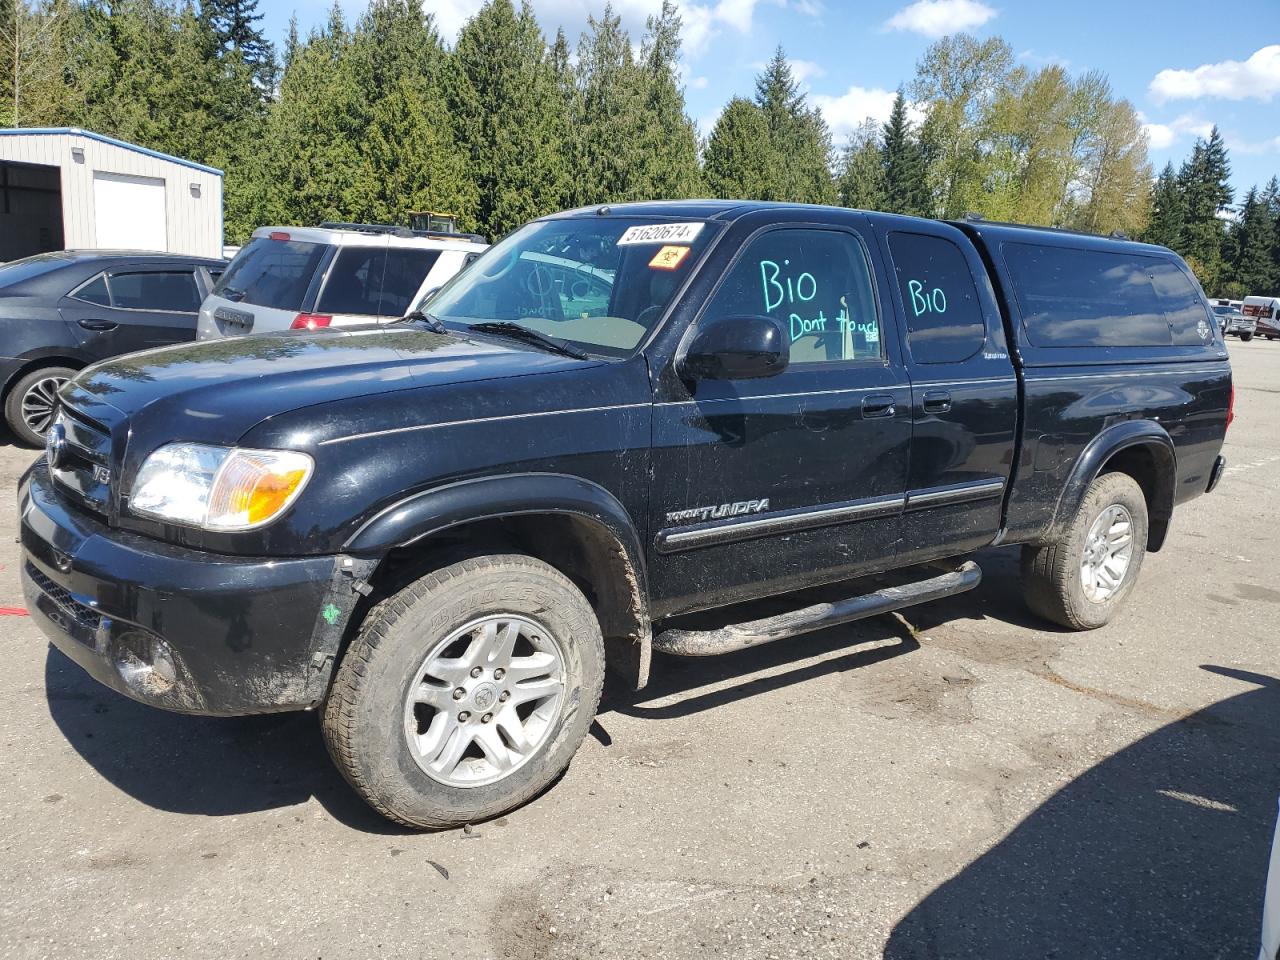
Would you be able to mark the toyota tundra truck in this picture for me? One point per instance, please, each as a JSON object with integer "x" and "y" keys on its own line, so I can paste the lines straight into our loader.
{"x": 439, "y": 533}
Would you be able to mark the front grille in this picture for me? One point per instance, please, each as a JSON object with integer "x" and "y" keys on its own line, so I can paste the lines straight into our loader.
{"x": 84, "y": 467}
{"x": 64, "y": 600}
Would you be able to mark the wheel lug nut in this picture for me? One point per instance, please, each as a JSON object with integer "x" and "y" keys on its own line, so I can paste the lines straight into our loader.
{"x": 476, "y": 671}
{"x": 459, "y": 693}
{"x": 464, "y": 716}
{"x": 486, "y": 718}
{"x": 499, "y": 674}
{"x": 504, "y": 696}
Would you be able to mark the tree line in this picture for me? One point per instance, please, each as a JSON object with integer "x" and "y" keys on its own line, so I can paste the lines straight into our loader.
{"x": 378, "y": 118}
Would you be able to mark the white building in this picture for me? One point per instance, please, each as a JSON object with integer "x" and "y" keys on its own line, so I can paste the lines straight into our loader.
{"x": 72, "y": 189}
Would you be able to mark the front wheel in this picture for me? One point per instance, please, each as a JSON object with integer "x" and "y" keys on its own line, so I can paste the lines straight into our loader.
{"x": 33, "y": 401}
{"x": 1246, "y": 337}
{"x": 1081, "y": 579}
{"x": 467, "y": 693}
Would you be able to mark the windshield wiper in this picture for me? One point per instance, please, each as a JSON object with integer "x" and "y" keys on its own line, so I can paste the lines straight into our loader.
{"x": 505, "y": 328}
{"x": 434, "y": 324}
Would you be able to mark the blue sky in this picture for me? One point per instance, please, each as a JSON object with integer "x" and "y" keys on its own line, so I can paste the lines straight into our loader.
{"x": 1184, "y": 65}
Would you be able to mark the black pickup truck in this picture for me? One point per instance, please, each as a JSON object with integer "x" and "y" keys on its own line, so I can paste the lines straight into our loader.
{"x": 439, "y": 532}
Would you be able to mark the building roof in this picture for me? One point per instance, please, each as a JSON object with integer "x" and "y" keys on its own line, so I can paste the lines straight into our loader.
{"x": 101, "y": 138}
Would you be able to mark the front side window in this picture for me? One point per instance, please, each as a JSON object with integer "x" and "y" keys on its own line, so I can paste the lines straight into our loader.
{"x": 601, "y": 283}
{"x": 944, "y": 315}
{"x": 816, "y": 283}
{"x": 174, "y": 292}
{"x": 271, "y": 273}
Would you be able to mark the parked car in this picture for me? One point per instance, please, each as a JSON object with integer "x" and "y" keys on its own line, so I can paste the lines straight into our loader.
{"x": 337, "y": 274}
{"x": 1233, "y": 322}
{"x": 438, "y": 534}
{"x": 1265, "y": 312}
{"x": 62, "y": 311}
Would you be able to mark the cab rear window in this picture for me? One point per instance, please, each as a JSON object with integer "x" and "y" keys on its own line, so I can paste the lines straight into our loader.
{"x": 271, "y": 273}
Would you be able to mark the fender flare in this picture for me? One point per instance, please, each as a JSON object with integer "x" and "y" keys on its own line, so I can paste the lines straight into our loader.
{"x": 1104, "y": 446}
{"x": 438, "y": 509}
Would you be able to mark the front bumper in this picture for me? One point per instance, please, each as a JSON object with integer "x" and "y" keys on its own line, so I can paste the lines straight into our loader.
{"x": 226, "y": 635}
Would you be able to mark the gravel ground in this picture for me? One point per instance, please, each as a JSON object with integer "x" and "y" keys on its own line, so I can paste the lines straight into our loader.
{"x": 960, "y": 781}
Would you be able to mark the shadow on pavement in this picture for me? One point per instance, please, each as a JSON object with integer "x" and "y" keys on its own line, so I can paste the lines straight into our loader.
{"x": 210, "y": 766}
{"x": 1159, "y": 851}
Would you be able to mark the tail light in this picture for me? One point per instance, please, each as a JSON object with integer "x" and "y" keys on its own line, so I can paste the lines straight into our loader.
{"x": 310, "y": 321}
{"x": 1231, "y": 404}
{"x": 279, "y": 235}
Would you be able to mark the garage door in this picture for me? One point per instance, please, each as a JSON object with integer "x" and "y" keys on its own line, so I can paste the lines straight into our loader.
{"x": 129, "y": 212}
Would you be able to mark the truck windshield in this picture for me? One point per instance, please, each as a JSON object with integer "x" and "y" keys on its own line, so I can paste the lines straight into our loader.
{"x": 600, "y": 283}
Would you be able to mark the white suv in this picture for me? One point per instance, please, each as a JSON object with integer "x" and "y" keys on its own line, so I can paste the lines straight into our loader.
{"x": 336, "y": 274}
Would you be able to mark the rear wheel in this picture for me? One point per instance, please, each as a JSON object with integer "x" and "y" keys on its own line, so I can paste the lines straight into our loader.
{"x": 467, "y": 693}
{"x": 33, "y": 401}
{"x": 1081, "y": 580}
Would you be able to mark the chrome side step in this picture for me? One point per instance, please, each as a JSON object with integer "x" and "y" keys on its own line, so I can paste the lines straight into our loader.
{"x": 739, "y": 636}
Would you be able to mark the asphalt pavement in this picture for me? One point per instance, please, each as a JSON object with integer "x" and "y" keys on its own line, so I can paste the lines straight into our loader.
{"x": 961, "y": 780}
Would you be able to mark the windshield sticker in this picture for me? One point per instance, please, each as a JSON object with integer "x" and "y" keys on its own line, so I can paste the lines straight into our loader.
{"x": 668, "y": 258}
{"x": 661, "y": 233}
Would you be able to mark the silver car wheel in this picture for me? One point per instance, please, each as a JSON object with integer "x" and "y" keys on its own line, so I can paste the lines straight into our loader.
{"x": 1107, "y": 551}
{"x": 40, "y": 402}
{"x": 485, "y": 700}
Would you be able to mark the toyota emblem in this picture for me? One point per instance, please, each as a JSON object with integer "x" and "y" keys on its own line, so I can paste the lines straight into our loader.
{"x": 56, "y": 445}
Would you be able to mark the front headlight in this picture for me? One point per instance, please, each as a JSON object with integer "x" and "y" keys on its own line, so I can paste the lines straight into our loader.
{"x": 218, "y": 488}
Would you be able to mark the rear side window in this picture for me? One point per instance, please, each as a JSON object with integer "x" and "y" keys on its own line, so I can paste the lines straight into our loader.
{"x": 1189, "y": 321}
{"x": 94, "y": 291}
{"x": 944, "y": 315}
{"x": 816, "y": 283}
{"x": 1086, "y": 298}
{"x": 405, "y": 271}
{"x": 175, "y": 292}
{"x": 271, "y": 273}
{"x": 354, "y": 284}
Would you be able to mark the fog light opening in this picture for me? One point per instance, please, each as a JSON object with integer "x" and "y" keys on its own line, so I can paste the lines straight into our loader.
{"x": 145, "y": 663}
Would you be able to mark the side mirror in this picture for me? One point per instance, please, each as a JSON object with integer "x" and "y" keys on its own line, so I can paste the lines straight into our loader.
{"x": 735, "y": 348}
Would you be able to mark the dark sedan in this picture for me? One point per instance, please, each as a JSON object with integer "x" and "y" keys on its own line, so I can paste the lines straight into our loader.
{"x": 63, "y": 311}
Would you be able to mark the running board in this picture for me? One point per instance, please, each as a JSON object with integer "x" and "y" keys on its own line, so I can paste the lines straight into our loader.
{"x": 739, "y": 636}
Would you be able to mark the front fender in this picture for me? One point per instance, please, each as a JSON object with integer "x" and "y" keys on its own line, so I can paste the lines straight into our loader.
{"x": 1093, "y": 459}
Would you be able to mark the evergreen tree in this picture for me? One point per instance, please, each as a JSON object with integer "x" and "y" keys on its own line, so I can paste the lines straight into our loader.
{"x": 1204, "y": 182}
{"x": 235, "y": 27}
{"x": 291, "y": 43}
{"x": 739, "y": 162}
{"x": 670, "y": 143}
{"x": 1167, "y": 210}
{"x": 860, "y": 172}
{"x": 1252, "y": 245}
{"x": 799, "y": 140}
{"x": 905, "y": 185}
{"x": 501, "y": 92}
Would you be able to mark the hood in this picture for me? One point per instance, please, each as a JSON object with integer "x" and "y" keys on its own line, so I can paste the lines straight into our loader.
{"x": 221, "y": 388}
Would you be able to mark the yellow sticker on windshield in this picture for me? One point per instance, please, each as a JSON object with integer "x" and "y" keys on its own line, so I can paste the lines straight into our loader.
{"x": 668, "y": 258}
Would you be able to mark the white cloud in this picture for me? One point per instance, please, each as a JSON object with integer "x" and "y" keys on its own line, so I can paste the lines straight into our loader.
{"x": 850, "y": 110}
{"x": 451, "y": 15}
{"x": 1253, "y": 146}
{"x": 937, "y": 18}
{"x": 1258, "y": 77}
{"x": 805, "y": 70}
{"x": 1161, "y": 136}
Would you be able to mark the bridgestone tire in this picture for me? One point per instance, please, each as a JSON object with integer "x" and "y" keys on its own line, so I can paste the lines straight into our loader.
{"x": 1051, "y": 580}
{"x": 13, "y": 402}
{"x": 363, "y": 714}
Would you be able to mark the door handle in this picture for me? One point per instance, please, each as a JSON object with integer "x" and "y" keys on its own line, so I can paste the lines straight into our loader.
{"x": 936, "y": 401}
{"x": 98, "y": 325}
{"x": 878, "y": 405}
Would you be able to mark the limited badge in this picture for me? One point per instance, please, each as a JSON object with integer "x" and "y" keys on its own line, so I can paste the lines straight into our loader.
{"x": 668, "y": 258}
